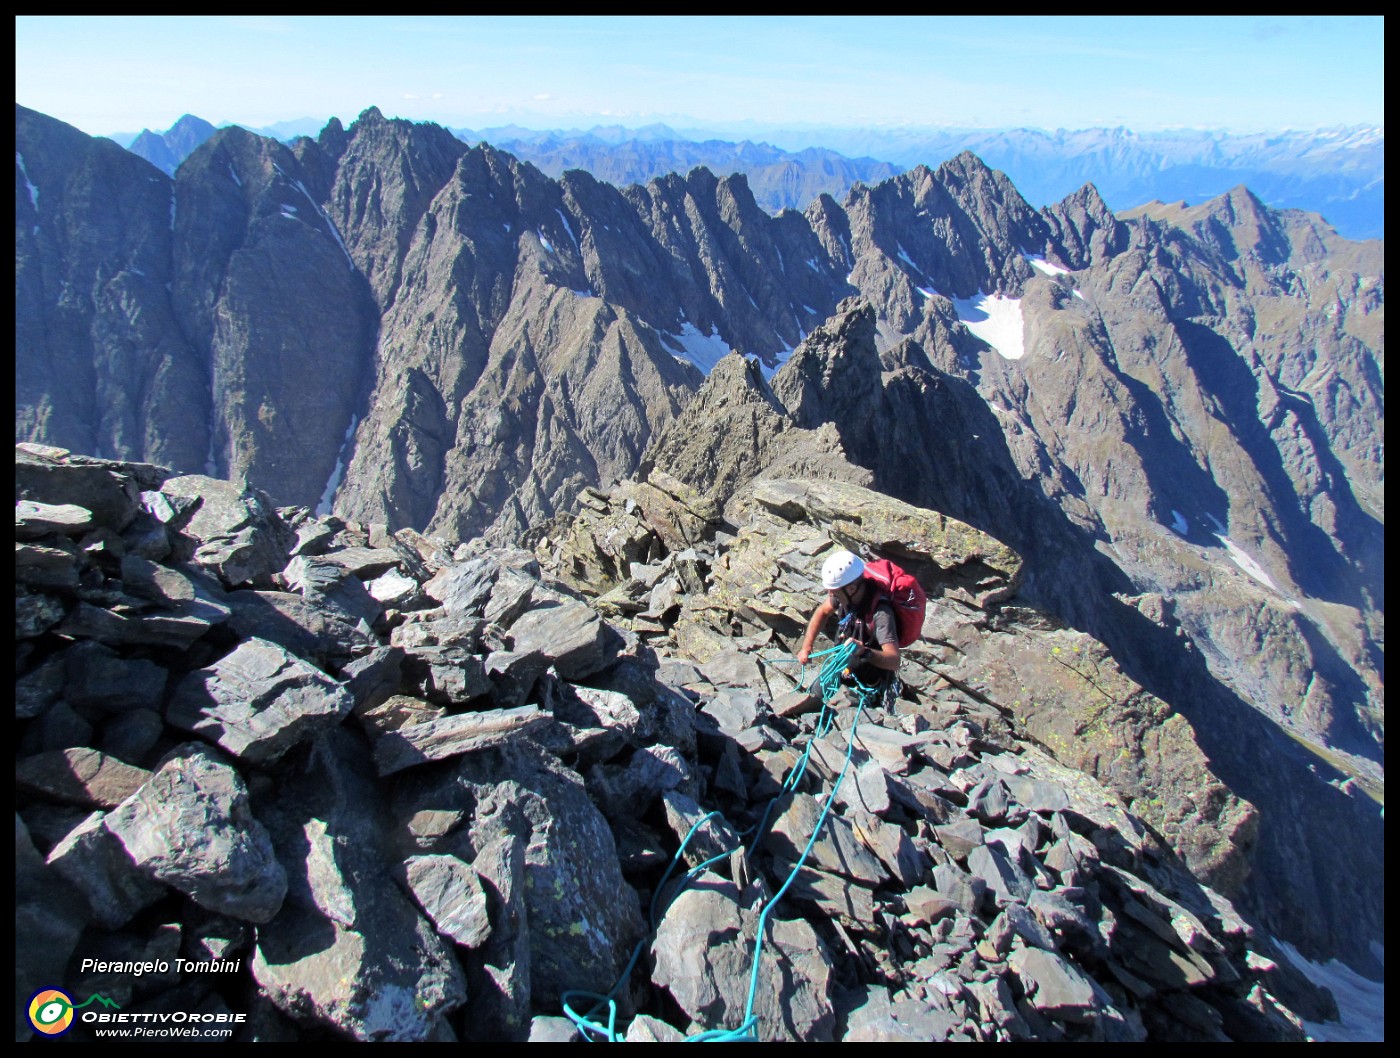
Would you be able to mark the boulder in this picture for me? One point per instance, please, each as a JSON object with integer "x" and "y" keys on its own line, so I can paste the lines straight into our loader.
{"x": 1055, "y": 987}
{"x": 95, "y": 676}
{"x": 309, "y": 631}
{"x": 34, "y": 521}
{"x": 109, "y": 491}
{"x": 234, "y": 531}
{"x": 49, "y": 919}
{"x": 450, "y": 894}
{"x": 328, "y": 583}
{"x": 836, "y": 850}
{"x": 348, "y": 951}
{"x": 451, "y": 736}
{"x": 79, "y": 776}
{"x": 258, "y": 702}
{"x": 191, "y": 827}
{"x": 704, "y": 951}
{"x": 707, "y": 838}
{"x": 583, "y": 917}
{"x": 94, "y": 861}
{"x": 880, "y": 1019}
{"x": 570, "y": 635}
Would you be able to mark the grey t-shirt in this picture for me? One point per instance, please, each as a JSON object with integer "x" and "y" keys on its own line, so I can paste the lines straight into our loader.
{"x": 886, "y": 628}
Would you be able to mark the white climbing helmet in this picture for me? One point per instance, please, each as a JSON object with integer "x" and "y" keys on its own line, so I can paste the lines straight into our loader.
{"x": 841, "y": 568}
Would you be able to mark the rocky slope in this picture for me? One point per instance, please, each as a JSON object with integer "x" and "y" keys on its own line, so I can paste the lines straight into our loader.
{"x": 1175, "y": 416}
{"x": 972, "y": 479}
{"x": 395, "y": 789}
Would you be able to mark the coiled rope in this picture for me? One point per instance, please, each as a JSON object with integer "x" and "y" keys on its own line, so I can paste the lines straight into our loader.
{"x": 828, "y": 682}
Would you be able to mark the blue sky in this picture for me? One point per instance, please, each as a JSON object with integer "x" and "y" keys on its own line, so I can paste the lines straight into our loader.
{"x": 112, "y": 74}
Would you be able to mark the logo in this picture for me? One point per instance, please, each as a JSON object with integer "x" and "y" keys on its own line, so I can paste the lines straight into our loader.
{"x": 51, "y": 1012}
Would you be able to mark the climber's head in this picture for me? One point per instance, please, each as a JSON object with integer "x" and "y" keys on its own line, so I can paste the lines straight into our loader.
{"x": 841, "y": 573}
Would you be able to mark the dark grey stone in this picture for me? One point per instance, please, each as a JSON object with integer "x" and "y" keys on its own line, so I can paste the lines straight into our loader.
{"x": 95, "y": 862}
{"x": 192, "y": 828}
{"x": 703, "y": 953}
{"x": 513, "y": 675}
{"x": 1005, "y": 879}
{"x": 450, "y": 894}
{"x": 96, "y": 676}
{"x": 258, "y": 702}
{"x": 572, "y": 636}
{"x": 452, "y": 736}
{"x": 1054, "y": 987}
{"x": 79, "y": 776}
{"x": 960, "y": 837}
{"x": 33, "y": 521}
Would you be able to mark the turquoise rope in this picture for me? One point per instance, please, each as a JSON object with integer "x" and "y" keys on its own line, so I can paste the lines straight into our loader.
{"x": 585, "y": 1022}
{"x": 827, "y": 682}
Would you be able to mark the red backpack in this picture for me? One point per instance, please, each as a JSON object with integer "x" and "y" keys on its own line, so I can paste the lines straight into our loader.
{"x": 904, "y": 594}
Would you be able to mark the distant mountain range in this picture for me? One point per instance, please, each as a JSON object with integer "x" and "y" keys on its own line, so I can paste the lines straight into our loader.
{"x": 1339, "y": 173}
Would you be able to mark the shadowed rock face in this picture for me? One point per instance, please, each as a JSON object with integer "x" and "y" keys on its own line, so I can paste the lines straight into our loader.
{"x": 435, "y": 824}
{"x": 1187, "y": 451}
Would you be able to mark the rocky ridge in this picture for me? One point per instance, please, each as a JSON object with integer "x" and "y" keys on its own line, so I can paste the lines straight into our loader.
{"x": 389, "y": 324}
{"x": 840, "y": 376}
{"x": 416, "y": 791}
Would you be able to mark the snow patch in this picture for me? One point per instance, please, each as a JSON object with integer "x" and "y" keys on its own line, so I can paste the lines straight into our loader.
{"x": 1077, "y": 294}
{"x": 1292, "y": 394}
{"x": 1241, "y": 559}
{"x": 1040, "y": 264}
{"x": 33, "y": 191}
{"x": 927, "y": 292}
{"x": 1179, "y": 523}
{"x": 905, "y": 258}
{"x": 333, "y": 483}
{"x": 702, "y": 350}
{"x": 1360, "y": 1001}
{"x": 997, "y": 321}
{"x": 572, "y": 237}
{"x": 234, "y": 176}
{"x": 544, "y": 242}
{"x": 783, "y": 356}
{"x": 335, "y": 232}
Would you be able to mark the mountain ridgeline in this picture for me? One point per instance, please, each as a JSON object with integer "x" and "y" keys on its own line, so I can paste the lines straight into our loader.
{"x": 1338, "y": 172}
{"x": 1176, "y": 415}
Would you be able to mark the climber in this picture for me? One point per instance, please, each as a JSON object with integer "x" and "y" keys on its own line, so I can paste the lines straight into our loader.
{"x": 864, "y": 614}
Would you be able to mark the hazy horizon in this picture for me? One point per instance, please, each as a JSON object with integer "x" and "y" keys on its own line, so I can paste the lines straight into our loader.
{"x": 739, "y": 77}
